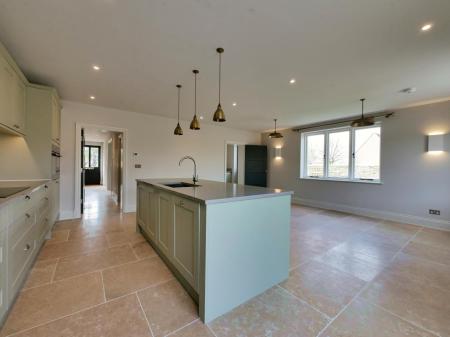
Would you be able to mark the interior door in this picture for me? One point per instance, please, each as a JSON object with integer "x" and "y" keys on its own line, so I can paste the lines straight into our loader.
{"x": 256, "y": 165}
{"x": 92, "y": 164}
{"x": 83, "y": 142}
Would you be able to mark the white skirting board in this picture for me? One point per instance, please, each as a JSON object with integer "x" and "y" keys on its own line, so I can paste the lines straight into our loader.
{"x": 384, "y": 215}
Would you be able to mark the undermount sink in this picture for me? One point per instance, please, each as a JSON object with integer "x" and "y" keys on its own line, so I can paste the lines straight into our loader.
{"x": 180, "y": 184}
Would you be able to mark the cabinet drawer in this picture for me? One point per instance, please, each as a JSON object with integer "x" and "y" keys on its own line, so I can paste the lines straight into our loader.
{"x": 42, "y": 208}
{"x": 42, "y": 226}
{"x": 22, "y": 225}
{"x": 22, "y": 205}
{"x": 19, "y": 257}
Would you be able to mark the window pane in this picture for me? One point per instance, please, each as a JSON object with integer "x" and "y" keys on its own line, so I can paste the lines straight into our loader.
{"x": 86, "y": 157}
{"x": 315, "y": 155}
{"x": 338, "y": 154}
{"x": 94, "y": 156}
{"x": 367, "y": 153}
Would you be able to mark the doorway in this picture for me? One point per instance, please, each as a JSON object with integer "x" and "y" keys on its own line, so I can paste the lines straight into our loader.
{"x": 101, "y": 178}
{"x": 92, "y": 164}
{"x": 235, "y": 163}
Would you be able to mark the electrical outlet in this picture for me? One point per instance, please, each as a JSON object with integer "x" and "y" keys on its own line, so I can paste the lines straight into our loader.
{"x": 137, "y": 165}
{"x": 434, "y": 211}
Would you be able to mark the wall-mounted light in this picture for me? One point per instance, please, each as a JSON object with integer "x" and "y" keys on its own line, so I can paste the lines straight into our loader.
{"x": 436, "y": 143}
{"x": 277, "y": 153}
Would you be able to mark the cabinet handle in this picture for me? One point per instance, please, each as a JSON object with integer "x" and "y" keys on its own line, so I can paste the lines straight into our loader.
{"x": 16, "y": 126}
{"x": 27, "y": 197}
{"x": 27, "y": 247}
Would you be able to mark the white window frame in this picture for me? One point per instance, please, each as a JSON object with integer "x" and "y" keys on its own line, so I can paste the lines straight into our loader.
{"x": 351, "y": 167}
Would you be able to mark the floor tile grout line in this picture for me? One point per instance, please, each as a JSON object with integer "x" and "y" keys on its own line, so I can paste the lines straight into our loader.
{"x": 304, "y": 302}
{"x": 103, "y": 269}
{"x": 211, "y": 330}
{"x": 403, "y": 319}
{"x": 367, "y": 285}
{"x": 52, "y": 279}
{"x": 103, "y": 286}
{"x": 181, "y": 328}
{"x": 68, "y": 315}
{"x": 145, "y": 315}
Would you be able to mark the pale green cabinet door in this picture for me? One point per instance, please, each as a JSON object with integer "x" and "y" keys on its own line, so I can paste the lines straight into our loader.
{"x": 165, "y": 223}
{"x": 6, "y": 93}
{"x": 186, "y": 231}
{"x": 142, "y": 206}
{"x": 152, "y": 214}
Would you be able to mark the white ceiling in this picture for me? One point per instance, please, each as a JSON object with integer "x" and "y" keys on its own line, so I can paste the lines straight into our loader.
{"x": 338, "y": 50}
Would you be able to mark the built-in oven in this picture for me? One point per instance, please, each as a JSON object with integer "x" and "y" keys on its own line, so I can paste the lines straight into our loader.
{"x": 56, "y": 158}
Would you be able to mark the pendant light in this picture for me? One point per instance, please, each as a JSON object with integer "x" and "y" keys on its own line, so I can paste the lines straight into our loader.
{"x": 195, "y": 125}
{"x": 363, "y": 121}
{"x": 219, "y": 115}
{"x": 178, "y": 130}
{"x": 275, "y": 134}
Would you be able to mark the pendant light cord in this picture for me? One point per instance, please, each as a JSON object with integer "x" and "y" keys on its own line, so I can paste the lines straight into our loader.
{"x": 179, "y": 87}
{"x": 362, "y": 107}
{"x": 195, "y": 93}
{"x": 275, "y": 125}
{"x": 220, "y": 72}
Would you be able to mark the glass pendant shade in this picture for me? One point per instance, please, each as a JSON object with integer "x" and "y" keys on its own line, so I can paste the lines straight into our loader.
{"x": 178, "y": 130}
{"x": 195, "y": 124}
{"x": 219, "y": 115}
{"x": 275, "y": 134}
{"x": 363, "y": 121}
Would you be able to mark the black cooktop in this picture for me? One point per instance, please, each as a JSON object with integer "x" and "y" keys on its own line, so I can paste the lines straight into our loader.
{"x": 5, "y": 192}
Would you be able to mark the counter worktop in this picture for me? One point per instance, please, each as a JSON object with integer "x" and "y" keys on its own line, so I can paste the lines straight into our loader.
{"x": 30, "y": 184}
{"x": 209, "y": 192}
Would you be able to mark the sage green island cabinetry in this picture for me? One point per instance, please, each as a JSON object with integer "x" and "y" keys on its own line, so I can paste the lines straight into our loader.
{"x": 226, "y": 243}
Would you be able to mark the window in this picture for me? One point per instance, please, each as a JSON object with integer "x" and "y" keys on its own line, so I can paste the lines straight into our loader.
{"x": 91, "y": 156}
{"x": 346, "y": 153}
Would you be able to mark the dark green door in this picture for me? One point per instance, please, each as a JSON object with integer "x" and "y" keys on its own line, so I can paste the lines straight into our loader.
{"x": 256, "y": 165}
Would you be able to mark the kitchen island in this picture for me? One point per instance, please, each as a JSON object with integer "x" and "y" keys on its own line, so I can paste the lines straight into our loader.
{"x": 225, "y": 243}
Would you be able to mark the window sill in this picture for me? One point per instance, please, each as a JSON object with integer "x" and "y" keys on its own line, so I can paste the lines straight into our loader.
{"x": 373, "y": 182}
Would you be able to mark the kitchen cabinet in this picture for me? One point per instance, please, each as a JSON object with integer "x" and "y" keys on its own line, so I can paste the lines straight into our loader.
{"x": 26, "y": 221}
{"x": 173, "y": 225}
{"x": 224, "y": 242}
{"x": 165, "y": 223}
{"x": 12, "y": 99}
{"x": 56, "y": 120}
{"x": 186, "y": 225}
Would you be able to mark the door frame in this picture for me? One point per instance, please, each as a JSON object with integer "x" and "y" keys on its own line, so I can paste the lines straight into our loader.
{"x": 229, "y": 142}
{"x": 78, "y": 127}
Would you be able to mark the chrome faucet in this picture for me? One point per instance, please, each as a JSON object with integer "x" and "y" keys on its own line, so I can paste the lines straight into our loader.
{"x": 195, "y": 177}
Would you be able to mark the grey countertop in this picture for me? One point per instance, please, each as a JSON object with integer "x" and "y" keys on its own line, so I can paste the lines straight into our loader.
{"x": 30, "y": 184}
{"x": 209, "y": 192}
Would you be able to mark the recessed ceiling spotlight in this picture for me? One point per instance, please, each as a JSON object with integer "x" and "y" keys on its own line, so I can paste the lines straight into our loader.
{"x": 201, "y": 117}
{"x": 234, "y": 103}
{"x": 292, "y": 81}
{"x": 96, "y": 67}
{"x": 92, "y": 97}
{"x": 408, "y": 90}
{"x": 426, "y": 27}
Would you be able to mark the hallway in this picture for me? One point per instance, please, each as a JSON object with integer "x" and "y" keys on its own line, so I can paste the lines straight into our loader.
{"x": 97, "y": 199}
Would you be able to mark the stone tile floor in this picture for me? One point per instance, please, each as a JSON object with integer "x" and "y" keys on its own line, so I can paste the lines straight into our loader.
{"x": 350, "y": 277}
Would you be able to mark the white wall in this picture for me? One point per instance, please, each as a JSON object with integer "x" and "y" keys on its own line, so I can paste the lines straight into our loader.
{"x": 413, "y": 181}
{"x": 152, "y": 138}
